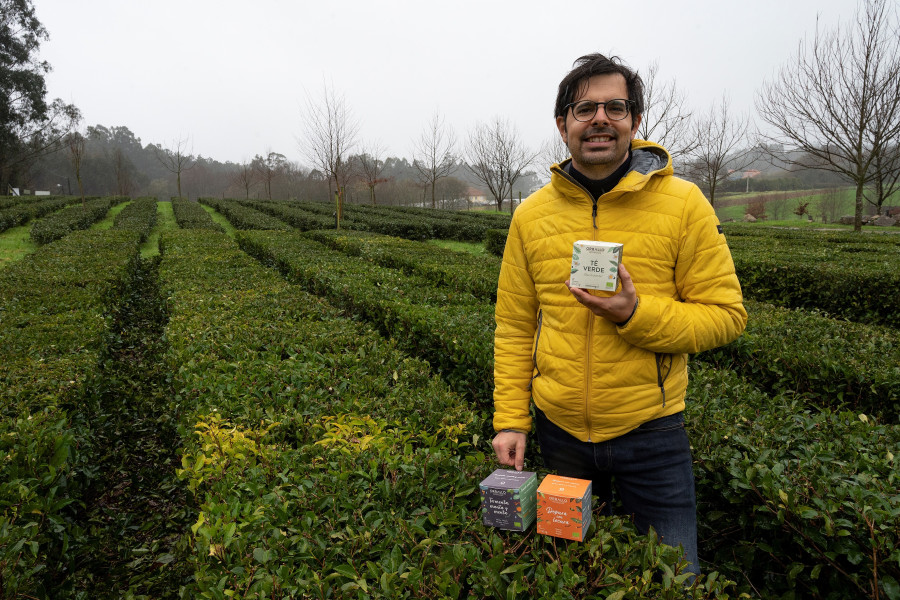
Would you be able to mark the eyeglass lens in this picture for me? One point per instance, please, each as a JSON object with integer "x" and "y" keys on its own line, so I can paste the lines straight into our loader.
{"x": 585, "y": 110}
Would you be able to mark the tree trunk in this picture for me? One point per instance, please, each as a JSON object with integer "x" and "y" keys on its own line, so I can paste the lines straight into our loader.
{"x": 857, "y": 218}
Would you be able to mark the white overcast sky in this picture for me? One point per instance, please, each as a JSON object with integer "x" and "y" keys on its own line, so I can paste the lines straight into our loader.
{"x": 233, "y": 76}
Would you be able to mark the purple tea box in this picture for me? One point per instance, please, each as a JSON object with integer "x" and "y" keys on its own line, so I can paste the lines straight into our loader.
{"x": 509, "y": 499}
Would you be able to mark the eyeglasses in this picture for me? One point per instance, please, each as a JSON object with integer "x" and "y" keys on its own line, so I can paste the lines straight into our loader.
{"x": 585, "y": 110}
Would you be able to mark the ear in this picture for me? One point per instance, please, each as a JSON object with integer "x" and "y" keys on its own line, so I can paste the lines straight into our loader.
{"x": 636, "y": 122}
{"x": 561, "y": 125}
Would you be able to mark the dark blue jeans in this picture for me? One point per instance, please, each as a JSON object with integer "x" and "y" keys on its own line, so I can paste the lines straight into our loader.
{"x": 649, "y": 467}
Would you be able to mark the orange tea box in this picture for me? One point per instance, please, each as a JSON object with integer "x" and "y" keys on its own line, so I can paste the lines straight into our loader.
{"x": 564, "y": 507}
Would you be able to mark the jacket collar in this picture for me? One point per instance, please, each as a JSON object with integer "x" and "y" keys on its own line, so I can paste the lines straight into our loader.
{"x": 648, "y": 160}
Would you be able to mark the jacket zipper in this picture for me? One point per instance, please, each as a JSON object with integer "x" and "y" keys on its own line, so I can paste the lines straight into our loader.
{"x": 537, "y": 371}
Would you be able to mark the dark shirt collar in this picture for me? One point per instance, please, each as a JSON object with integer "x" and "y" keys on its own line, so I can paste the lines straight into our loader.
{"x": 598, "y": 187}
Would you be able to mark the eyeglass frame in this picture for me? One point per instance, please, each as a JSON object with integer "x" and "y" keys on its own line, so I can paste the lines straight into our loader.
{"x": 628, "y": 105}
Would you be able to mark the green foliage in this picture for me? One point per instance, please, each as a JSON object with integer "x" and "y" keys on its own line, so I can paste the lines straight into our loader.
{"x": 53, "y": 305}
{"x": 495, "y": 241}
{"x": 831, "y": 364}
{"x": 139, "y": 215}
{"x": 797, "y": 501}
{"x": 73, "y": 218}
{"x": 242, "y": 217}
{"x": 13, "y": 214}
{"x": 191, "y": 215}
{"x": 851, "y": 276}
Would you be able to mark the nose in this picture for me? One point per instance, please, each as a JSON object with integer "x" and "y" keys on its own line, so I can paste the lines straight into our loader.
{"x": 600, "y": 117}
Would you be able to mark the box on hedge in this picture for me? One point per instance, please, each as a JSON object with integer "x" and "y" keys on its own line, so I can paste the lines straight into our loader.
{"x": 564, "y": 507}
{"x": 508, "y": 499}
{"x": 595, "y": 265}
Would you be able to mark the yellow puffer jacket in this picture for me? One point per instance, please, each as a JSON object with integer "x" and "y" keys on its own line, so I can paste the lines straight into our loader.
{"x": 592, "y": 378}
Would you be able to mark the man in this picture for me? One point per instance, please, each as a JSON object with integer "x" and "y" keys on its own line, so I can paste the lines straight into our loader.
{"x": 608, "y": 372}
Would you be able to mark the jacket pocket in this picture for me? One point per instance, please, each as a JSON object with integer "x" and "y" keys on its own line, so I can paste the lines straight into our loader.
{"x": 537, "y": 338}
{"x": 663, "y": 368}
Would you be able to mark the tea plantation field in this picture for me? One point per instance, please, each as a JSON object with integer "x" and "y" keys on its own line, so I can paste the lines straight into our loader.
{"x": 232, "y": 399}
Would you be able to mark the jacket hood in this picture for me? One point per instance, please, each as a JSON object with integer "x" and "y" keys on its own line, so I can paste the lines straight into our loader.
{"x": 647, "y": 160}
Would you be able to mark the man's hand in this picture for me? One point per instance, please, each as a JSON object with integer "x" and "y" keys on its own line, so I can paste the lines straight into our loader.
{"x": 509, "y": 446}
{"x": 617, "y": 308}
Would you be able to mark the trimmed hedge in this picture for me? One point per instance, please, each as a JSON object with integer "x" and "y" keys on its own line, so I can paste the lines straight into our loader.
{"x": 192, "y": 215}
{"x": 243, "y": 217}
{"x": 53, "y": 305}
{"x": 140, "y": 216}
{"x": 21, "y": 210}
{"x": 459, "y": 271}
{"x": 851, "y": 276}
{"x": 73, "y": 218}
{"x": 794, "y": 501}
{"x": 495, "y": 241}
{"x": 452, "y": 330}
{"x": 831, "y": 364}
{"x": 328, "y": 464}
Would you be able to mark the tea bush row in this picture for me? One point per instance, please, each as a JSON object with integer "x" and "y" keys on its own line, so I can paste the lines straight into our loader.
{"x": 328, "y": 464}
{"x": 53, "y": 323}
{"x": 460, "y": 271}
{"x": 24, "y": 210}
{"x": 830, "y": 363}
{"x": 779, "y": 424}
{"x": 799, "y": 501}
{"x": 852, "y": 276}
{"x": 452, "y": 330}
{"x": 192, "y": 215}
{"x": 140, "y": 216}
{"x": 73, "y": 218}
{"x": 243, "y": 217}
{"x": 291, "y": 214}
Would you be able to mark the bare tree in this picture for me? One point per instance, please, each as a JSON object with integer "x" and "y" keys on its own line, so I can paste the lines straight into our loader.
{"x": 553, "y": 151}
{"x": 245, "y": 177}
{"x": 122, "y": 168}
{"x": 496, "y": 156}
{"x": 666, "y": 121}
{"x": 433, "y": 153}
{"x": 718, "y": 136}
{"x": 329, "y": 136}
{"x": 371, "y": 163}
{"x": 75, "y": 142}
{"x": 886, "y": 178}
{"x": 269, "y": 168}
{"x": 839, "y": 101}
{"x": 176, "y": 159}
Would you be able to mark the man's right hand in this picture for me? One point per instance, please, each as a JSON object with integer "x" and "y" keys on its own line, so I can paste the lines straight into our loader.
{"x": 509, "y": 446}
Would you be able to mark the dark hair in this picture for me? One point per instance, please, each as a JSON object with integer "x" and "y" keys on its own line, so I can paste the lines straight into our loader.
{"x": 575, "y": 82}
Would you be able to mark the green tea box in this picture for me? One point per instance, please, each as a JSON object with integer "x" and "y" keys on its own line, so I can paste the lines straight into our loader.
{"x": 508, "y": 499}
{"x": 595, "y": 265}
{"x": 564, "y": 507}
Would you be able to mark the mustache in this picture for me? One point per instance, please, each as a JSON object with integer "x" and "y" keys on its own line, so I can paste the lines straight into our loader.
{"x": 600, "y": 131}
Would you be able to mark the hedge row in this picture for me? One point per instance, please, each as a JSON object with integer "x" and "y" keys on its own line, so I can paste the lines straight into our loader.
{"x": 140, "y": 216}
{"x": 243, "y": 217}
{"x": 25, "y": 210}
{"x": 794, "y": 501}
{"x": 460, "y": 271}
{"x": 53, "y": 305}
{"x": 409, "y": 223}
{"x": 495, "y": 241}
{"x": 292, "y": 215}
{"x": 403, "y": 307}
{"x": 814, "y": 552}
{"x": 73, "y": 218}
{"x": 191, "y": 215}
{"x": 831, "y": 364}
{"x": 852, "y": 276}
{"x": 330, "y": 465}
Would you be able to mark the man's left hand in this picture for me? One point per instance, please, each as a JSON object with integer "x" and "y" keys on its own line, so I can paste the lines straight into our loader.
{"x": 617, "y": 308}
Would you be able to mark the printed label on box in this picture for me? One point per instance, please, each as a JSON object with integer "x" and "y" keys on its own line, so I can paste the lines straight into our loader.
{"x": 508, "y": 499}
{"x": 564, "y": 507}
{"x": 595, "y": 265}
